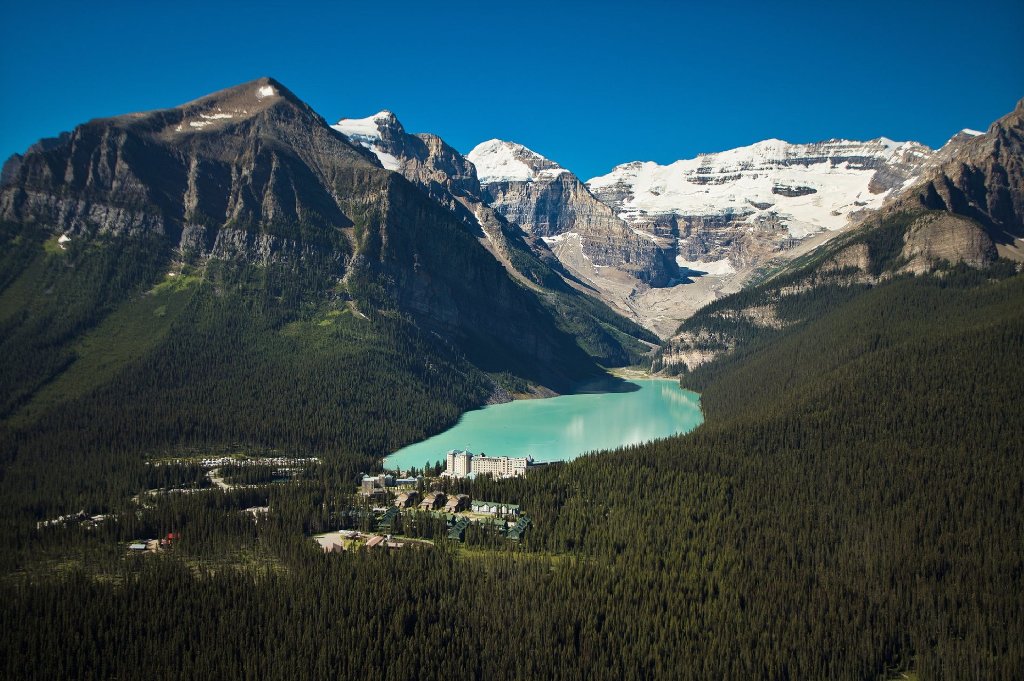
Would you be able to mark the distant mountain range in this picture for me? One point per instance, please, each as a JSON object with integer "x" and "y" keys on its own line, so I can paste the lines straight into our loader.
{"x": 252, "y": 174}
{"x": 657, "y": 242}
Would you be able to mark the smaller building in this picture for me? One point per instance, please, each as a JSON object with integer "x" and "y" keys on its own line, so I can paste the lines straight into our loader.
{"x": 376, "y": 484}
{"x": 458, "y": 529}
{"x": 138, "y": 546}
{"x": 515, "y": 533}
{"x": 495, "y": 508}
{"x": 407, "y": 499}
{"x": 459, "y": 502}
{"x": 375, "y": 540}
{"x": 433, "y": 501}
{"x": 387, "y": 520}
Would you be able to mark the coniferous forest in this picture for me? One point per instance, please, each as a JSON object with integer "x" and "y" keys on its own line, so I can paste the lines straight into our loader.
{"x": 850, "y": 509}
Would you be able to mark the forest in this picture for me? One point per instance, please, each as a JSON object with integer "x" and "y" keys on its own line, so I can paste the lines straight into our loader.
{"x": 850, "y": 509}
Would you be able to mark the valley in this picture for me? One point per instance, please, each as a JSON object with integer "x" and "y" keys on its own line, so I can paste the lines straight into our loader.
{"x": 249, "y": 336}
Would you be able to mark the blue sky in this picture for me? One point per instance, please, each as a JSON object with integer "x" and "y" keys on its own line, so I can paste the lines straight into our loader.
{"x": 588, "y": 84}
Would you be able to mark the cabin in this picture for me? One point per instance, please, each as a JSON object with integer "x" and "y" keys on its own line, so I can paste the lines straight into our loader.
{"x": 407, "y": 499}
{"x": 459, "y": 502}
{"x": 375, "y": 540}
{"x": 458, "y": 529}
{"x": 515, "y": 533}
{"x": 433, "y": 501}
{"x": 387, "y": 520}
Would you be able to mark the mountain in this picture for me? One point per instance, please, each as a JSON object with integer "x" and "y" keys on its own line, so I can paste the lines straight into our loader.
{"x": 235, "y": 270}
{"x": 980, "y": 176}
{"x": 451, "y": 180}
{"x": 798, "y": 189}
{"x": 660, "y": 241}
{"x": 589, "y": 240}
{"x": 964, "y": 208}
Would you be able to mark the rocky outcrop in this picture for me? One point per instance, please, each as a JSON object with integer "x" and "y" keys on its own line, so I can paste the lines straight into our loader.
{"x": 937, "y": 238}
{"x": 980, "y": 176}
{"x": 550, "y": 202}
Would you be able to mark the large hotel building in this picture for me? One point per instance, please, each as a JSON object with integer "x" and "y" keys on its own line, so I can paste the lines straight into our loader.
{"x": 460, "y": 463}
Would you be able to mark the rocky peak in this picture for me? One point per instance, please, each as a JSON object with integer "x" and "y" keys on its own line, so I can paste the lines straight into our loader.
{"x": 263, "y": 102}
{"x": 500, "y": 161}
{"x": 381, "y": 133}
{"x": 980, "y": 176}
{"x": 548, "y": 201}
{"x": 251, "y": 158}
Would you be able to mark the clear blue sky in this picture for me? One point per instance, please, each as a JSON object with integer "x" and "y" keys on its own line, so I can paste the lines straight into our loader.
{"x": 588, "y": 84}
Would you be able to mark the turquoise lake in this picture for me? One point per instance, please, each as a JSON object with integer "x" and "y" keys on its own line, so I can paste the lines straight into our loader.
{"x": 562, "y": 428}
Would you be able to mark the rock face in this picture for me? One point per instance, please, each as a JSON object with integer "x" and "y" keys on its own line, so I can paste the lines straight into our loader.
{"x": 710, "y": 221}
{"x": 252, "y": 175}
{"x": 749, "y": 204}
{"x": 550, "y": 202}
{"x": 451, "y": 180}
{"x": 980, "y": 176}
{"x": 424, "y": 159}
{"x": 252, "y": 157}
{"x": 936, "y": 238}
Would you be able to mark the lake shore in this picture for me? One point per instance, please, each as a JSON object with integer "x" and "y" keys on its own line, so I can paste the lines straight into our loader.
{"x": 561, "y": 428}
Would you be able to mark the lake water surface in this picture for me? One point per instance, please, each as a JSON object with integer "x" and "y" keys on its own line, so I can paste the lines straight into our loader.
{"x": 562, "y": 428}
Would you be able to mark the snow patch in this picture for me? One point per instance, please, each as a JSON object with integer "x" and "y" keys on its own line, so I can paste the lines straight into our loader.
{"x": 496, "y": 161}
{"x": 718, "y": 268}
{"x": 216, "y": 116}
{"x": 265, "y": 91}
{"x": 199, "y": 124}
{"x": 972, "y": 133}
{"x": 362, "y": 129}
{"x": 366, "y": 132}
{"x": 558, "y": 238}
{"x": 386, "y": 159}
{"x": 500, "y": 161}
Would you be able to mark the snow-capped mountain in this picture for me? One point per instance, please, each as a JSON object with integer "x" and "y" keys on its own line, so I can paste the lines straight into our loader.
{"x": 500, "y": 161}
{"x": 804, "y": 188}
{"x": 448, "y": 178}
{"x": 711, "y": 220}
{"x": 548, "y": 201}
{"x": 659, "y": 241}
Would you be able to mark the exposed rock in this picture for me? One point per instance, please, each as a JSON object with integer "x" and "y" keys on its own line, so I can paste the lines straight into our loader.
{"x": 251, "y": 175}
{"x": 934, "y": 238}
{"x": 980, "y": 176}
{"x": 548, "y": 201}
{"x": 855, "y": 257}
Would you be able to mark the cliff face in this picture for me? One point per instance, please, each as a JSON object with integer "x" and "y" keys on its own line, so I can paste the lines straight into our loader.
{"x": 980, "y": 176}
{"x": 251, "y": 158}
{"x": 644, "y": 234}
{"x": 587, "y": 238}
{"x": 451, "y": 180}
{"x": 252, "y": 175}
